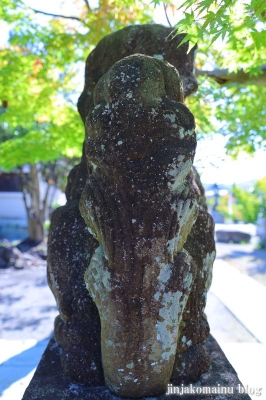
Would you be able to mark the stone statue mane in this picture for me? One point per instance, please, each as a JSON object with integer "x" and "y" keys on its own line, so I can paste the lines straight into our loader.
{"x": 146, "y": 247}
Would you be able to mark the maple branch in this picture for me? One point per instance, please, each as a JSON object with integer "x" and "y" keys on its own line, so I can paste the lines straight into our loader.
{"x": 166, "y": 15}
{"x": 224, "y": 77}
{"x": 57, "y": 15}
{"x": 87, "y": 5}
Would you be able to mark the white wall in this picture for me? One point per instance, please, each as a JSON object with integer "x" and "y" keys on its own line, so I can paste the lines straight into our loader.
{"x": 12, "y": 206}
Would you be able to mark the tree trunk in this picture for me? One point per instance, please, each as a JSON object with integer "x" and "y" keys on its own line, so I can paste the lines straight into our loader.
{"x": 36, "y": 206}
{"x": 36, "y": 230}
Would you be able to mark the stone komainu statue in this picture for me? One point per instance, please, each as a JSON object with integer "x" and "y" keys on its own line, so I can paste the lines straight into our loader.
{"x": 135, "y": 224}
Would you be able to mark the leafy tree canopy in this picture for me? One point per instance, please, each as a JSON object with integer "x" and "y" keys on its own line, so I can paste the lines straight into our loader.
{"x": 40, "y": 64}
{"x": 240, "y": 25}
{"x": 260, "y": 191}
{"x": 231, "y": 36}
{"x": 248, "y": 205}
{"x": 38, "y": 74}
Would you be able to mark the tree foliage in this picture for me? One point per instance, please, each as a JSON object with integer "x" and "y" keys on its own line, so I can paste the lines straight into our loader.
{"x": 230, "y": 66}
{"x": 38, "y": 74}
{"x": 248, "y": 205}
{"x": 39, "y": 70}
{"x": 46, "y": 50}
{"x": 39, "y": 123}
{"x": 260, "y": 191}
{"x": 239, "y": 25}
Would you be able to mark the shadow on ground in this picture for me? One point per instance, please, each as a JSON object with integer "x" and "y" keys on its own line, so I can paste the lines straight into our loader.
{"x": 246, "y": 258}
{"x": 20, "y": 365}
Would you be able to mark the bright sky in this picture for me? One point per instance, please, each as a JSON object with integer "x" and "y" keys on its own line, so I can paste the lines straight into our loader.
{"x": 214, "y": 165}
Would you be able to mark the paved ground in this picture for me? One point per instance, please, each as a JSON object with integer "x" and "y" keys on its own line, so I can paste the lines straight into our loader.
{"x": 27, "y": 311}
{"x": 248, "y": 258}
{"x": 224, "y": 325}
{"x": 27, "y": 306}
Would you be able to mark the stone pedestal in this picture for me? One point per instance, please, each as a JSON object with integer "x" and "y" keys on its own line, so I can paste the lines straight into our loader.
{"x": 51, "y": 383}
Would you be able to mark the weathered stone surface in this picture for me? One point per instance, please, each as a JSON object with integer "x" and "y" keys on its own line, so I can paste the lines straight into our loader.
{"x": 50, "y": 381}
{"x": 141, "y": 143}
{"x": 78, "y": 327}
{"x": 152, "y": 40}
{"x": 147, "y": 246}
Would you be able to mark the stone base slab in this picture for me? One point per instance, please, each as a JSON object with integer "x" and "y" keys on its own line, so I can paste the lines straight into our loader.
{"x": 50, "y": 382}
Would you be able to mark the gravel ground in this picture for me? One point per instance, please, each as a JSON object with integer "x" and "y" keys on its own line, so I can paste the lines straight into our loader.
{"x": 27, "y": 306}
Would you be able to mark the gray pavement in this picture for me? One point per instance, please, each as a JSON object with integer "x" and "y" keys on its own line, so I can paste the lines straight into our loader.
{"x": 247, "y": 258}
{"x": 27, "y": 306}
{"x": 243, "y": 296}
{"x": 27, "y": 312}
{"x": 224, "y": 326}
